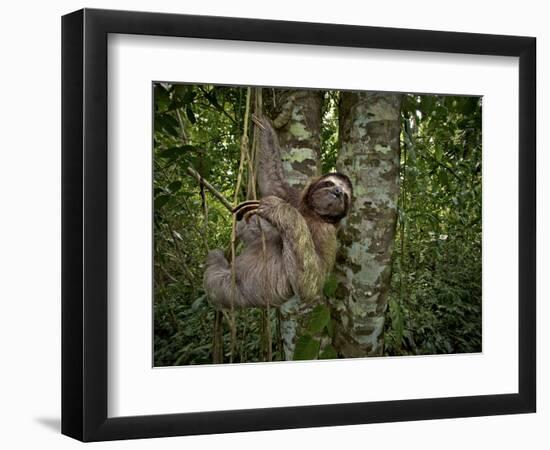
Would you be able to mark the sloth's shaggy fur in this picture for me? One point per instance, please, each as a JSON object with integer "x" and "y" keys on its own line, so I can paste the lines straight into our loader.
{"x": 300, "y": 236}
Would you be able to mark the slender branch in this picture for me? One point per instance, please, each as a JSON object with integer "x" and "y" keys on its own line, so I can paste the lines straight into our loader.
{"x": 205, "y": 216}
{"x": 196, "y": 175}
{"x": 211, "y": 188}
{"x": 441, "y": 164}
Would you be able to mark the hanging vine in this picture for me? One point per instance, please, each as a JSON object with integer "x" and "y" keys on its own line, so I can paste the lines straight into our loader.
{"x": 266, "y": 315}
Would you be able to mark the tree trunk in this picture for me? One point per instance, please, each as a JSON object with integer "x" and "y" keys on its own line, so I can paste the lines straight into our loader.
{"x": 297, "y": 118}
{"x": 369, "y": 155}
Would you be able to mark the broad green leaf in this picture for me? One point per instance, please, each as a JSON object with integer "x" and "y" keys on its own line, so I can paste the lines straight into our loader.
{"x": 306, "y": 348}
{"x": 189, "y": 96}
{"x": 320, "y": 317}
{"x": 438, "y": 151}
{"x": 174, "y": 186}
{"x": 166, "y": 123}
{"x": 201, "y": 165}
{"x": 180, "y": 90}
{"x": 161, "y": 200}
{"x": 329, "y": 289}
{"x": 328, "y": 353}
{"x": 162, "y": 98}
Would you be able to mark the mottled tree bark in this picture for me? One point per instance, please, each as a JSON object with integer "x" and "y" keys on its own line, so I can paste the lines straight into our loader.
{"x": 298, "y": 124}
{"x": 297, "y": 119}
{"x": 369, "y": 155}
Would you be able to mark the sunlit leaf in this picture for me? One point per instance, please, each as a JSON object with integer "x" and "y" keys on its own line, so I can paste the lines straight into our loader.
{"x": 328, "y": 353}
{"x": 306, "y": 348}
{"x": 319, "y": 319}
{"x": 330, "y": 286}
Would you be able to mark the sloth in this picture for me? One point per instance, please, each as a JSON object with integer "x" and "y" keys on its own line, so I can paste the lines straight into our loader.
{"x": 289, "y": 236}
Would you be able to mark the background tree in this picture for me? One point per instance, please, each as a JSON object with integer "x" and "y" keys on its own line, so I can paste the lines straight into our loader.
{"x": 369, "y": 155}
{"x": 297, "y": 119}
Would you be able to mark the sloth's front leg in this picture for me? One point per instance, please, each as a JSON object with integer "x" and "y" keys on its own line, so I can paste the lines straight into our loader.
{"x": 302, "y": 263}
{"x": 270, "y": 208}
{"x": 281, "y": 214}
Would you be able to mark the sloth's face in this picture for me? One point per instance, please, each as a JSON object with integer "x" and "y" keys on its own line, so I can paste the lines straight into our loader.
{"x": 330, "y": 197}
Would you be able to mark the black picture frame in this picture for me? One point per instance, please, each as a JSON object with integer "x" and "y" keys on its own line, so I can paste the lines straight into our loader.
{"x": 84, "y": 224}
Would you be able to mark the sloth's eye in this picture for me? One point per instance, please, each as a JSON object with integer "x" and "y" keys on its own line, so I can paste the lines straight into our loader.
{"x": 327, "y": 184}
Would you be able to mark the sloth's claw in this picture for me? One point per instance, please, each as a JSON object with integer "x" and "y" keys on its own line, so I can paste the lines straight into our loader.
{"x": 244, "y": 208}
{"x": 249, "y": 214}
{"x": 244, "y": 204}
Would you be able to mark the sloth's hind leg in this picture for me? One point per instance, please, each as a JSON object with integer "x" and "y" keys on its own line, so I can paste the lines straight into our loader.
{"x": 216, "y": 277}
{"x": 218, "y": 281}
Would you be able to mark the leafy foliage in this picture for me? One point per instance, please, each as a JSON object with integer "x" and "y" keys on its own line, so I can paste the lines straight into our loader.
{"x": 307, "y": 347}
{"x": 199, "y": 127}
{"x": 435, "y": 299}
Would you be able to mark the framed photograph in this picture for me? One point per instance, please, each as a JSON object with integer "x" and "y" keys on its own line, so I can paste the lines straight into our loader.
{"x": 273, "y": 225}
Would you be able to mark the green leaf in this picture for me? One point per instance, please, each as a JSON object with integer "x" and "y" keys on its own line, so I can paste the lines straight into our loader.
{"x": 184, "y": 94}
{"x": 170, "y": 153}
{"x": 329, "y": 289}
{"x": 438, "y": 153}
{"x": 306, "y": 348}
{"x": 166, "y": 123}
{"x": 162, "y": 98}
{"x": 174, "y": 186}
{"x": 443, "y": 177}
{"x": 189, "y": 96}
{"x": 211, "y": 96}
{"x": 320, "y": 318}
{"x": 180, "y": 90}
{"x": 328, "y": 353}
{"x": 175, "y": 152}
{"x": 161, "y": 200}
{"x": 190, "y": 115}
{"x": 201, "y": 165}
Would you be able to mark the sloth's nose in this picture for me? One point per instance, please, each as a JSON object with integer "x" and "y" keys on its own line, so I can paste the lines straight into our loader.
{"x": 337, "y": 190}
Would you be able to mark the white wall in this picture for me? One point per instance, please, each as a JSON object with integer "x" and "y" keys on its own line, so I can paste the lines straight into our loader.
{"x": 30, "y": 221}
